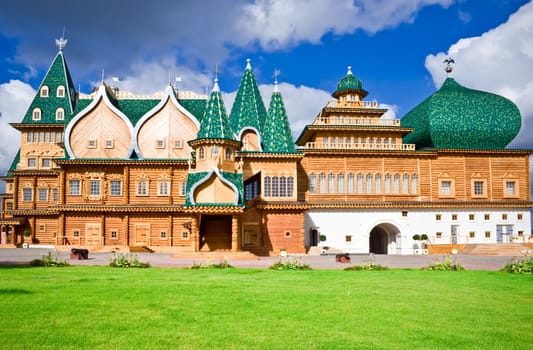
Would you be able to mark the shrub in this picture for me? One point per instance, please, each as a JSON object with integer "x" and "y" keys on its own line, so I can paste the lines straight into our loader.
{"x": 48, "y": 261}
{"x": 367, "y": 266}
{"x": 127, "y": 260}
{"x": 289, "y": 265}
{"x": 446, "y": 265}
{"x": 521, "y": 266}
{"x": 423, "y": 237}
{"x": 223, "y": 264}
{"x": 416, "y": 237}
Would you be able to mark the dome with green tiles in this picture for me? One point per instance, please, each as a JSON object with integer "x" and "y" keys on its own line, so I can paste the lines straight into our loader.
{"x": 456, "y": 117}
{"x": 349, "y": 84}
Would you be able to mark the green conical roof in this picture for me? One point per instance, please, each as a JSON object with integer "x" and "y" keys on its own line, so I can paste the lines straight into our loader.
{"x": 456, "y": 117}
{"x": 248, "y": 109}
{"x": 215, "y": 123}
{"x": 349, "y": 84}
{"x": 277, "y": 136}
{"x": 57, "y": 75}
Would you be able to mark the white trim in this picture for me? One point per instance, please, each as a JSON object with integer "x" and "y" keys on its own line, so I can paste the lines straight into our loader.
{"x": 206, "y": 178}
{"x": 102, "y": 95}
{"x": 246, "y": 128}
{"x": 169, "y": 94}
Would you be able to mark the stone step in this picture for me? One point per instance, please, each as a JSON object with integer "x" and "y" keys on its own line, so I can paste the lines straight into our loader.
{"x": 507, "y": 249}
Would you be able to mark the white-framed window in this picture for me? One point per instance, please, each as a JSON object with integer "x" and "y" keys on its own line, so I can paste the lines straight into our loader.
{"x": 178, "y": 143}
{"x": 479, "y": 188}
{"x": 32, "y": 162}
{"x": 405, "y": 183}
{"x": 283, "y": 186}
{"x": 45, "y": 91}
{"x": 163, "y": 234}
{"x": 60, "y": 114}
{"x": 312, "y": 183}
{"x": 360, "y": 183}
{"x": 331, "y": 183}
{"x": 377, "y": 183}
{"x": 214, "y": 151}
{"x": 267, "y": 185}
{"x": 201, "y": 153}
{"x": 350, "y": 183}
{"x": 290, "y": 186}
{"x": 91, "y": 143}
{"x": 368, "y": 183}
{"x": 163, "y": 188}
{"x": 414, "y": 184}
{"x": 321, "y": 183}
{"x": 229, "y": 154}
{"x": 60, "y": 91}
{"x": 446, "y": 188}
{"x": 116, "y": 188}
{"x": 46, "y": 162}
{"x": 340, "y": 183}
{"x": 109, "y": 143}
{"x": 74, "y": 187}
{"x": 42, "y": 227}
{"x": 510, "y": 188}
{"x": 36, "y": 114}
{"x": 55, "y": 194}
{"x": 114, "y": 234}
{"x": 387, "y": 183}
{"x": 275, "y": 186}
{"x": 43, "y": 195}
{"x": 76, "y": 233}
{"x": 185, "y": 235}
{"x": 183, "y": 191}
{"x": 94, "y": 187}
{"x": 142, "y": 187}
{"x": 27, "y": 194}
{"x": 396, "y": 183}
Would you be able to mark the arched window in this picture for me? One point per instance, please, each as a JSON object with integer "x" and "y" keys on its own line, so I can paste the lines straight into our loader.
{"x": 414, "y": 184}
{"x": 60, "y": 91}
{"x": 267, "y": 186}
{"x": 60, "y": 114}
{"x": 214, "y": 151}
{"x": 312, "y": 183}
{"x": 405, "y": 183}
{"x": 331, "y": 183}
{"x": 229, "y": 153}
{"x": 350, "y": 183}
{"x": 275, "y": 186}
{"x": 290, "y": 186}
{"x": 360, "y": 184}
{"x": 377, "y": 183}
{"x": 396, "y": 183}
{"x": 44, "y": 91}
{"x": 283, "y": 186}
{"x": 201, "y": 153}
{"x": 321, "y": 183}
{"x": 368, "y": 183}
{"x": 340, "y": 183}
{"x": 36, "y": 114}
{"x": 387, "y": 183}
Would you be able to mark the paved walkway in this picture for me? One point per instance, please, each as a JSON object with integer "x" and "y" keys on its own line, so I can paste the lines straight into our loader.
{"x": 17, "y": 256}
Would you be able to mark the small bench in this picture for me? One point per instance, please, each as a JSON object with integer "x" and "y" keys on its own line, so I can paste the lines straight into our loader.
{"x": 79, "y": 254}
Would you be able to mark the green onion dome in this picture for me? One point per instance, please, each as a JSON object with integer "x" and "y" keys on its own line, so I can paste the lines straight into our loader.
{"x": 456, "y": 117}
{"x": 349, "y": 84}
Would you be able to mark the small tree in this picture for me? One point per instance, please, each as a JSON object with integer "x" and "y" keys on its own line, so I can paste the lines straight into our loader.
{"x": 416, "y": 237}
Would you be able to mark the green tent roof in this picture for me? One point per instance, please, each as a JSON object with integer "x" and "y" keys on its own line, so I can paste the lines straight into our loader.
{"x": 215, "y": 123}
{"x": 277, "y": 136}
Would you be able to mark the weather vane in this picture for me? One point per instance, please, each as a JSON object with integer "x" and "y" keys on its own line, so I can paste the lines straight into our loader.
{"x": 61, "y": 42}
{"x": 449, "y": 61}
{"x": 276, "y": 74}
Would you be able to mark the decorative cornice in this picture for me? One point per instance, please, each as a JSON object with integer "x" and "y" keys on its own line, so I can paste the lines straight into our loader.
{"x": 20, "y": 126}
{"x": 419, "y": 205}
{"x": 104, "y": 161}
{"x": 257, "y": 154}
{"x": 35, "y": 172}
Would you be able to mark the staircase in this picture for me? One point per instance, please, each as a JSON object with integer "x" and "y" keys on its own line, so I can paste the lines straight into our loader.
{"x": 507, "y": 249}
{"x": 140, "y": 249}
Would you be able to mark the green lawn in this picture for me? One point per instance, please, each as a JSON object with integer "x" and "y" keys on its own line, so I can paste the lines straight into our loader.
{"x": 158, "y": 308}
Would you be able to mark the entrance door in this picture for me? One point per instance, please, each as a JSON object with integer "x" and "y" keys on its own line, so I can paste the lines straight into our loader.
{"x": 378, "y": 241}
{"x": 215, "y": 232}
{"x": 93, "y": 234}
{"x": 504, "y": 233}
{"x": 314, "y": 237}
{"x": 142, "y": 232}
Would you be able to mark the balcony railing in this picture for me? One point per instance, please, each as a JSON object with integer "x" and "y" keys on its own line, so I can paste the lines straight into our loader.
{"x": 361, "y": 146}
{"x": 349, "y": 120}
{"x": 353, "y": 104}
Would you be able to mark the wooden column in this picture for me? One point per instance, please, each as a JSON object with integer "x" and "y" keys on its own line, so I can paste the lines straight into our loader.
{"x": 195, "y": 234}
{"x": 235, "y": 234}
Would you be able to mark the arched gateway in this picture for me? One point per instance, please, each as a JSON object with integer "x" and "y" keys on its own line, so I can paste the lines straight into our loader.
{"x": 382, "y": 239}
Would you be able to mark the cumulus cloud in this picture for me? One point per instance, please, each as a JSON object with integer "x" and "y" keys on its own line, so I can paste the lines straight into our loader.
{"x": 278, "y": 24}
{"x": 15, "y": 97}
{"x": 498, "y": 61}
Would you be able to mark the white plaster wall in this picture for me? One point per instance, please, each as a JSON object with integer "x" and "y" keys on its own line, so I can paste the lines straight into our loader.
{"x": 337, "y": 224}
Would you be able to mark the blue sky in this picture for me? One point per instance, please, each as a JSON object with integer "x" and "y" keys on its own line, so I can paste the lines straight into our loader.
{"x": 396, "y": 47}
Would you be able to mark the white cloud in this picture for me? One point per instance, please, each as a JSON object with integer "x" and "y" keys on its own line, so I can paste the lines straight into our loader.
{"x": 498, "y": 61}
{"x": 15, "y": 97}
{"x": 278, "y": 24}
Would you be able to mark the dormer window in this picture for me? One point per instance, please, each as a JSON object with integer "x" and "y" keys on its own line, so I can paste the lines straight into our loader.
{"x": 60, "y": 114}
{"x": 60, "y": 91}
{"x": 44, "y": 91}
{"x": 36, "y": 114}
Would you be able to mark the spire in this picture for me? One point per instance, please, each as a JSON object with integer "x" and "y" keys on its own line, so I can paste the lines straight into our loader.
{"x": 215, "y": 123}
{"x": 55, "y": 92}
{"x": 248, "y": 110}
{"x": 277, "y": 136}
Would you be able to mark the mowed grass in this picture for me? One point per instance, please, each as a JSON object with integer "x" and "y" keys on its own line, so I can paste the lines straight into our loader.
{"x": 109, "y": 308}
